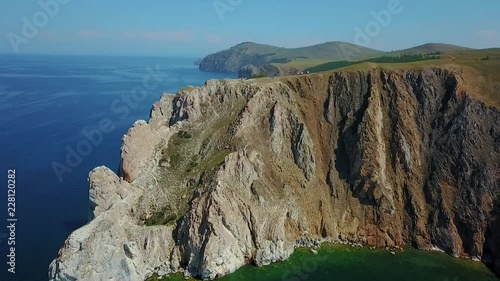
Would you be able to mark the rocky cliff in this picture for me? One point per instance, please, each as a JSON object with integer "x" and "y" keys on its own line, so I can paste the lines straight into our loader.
{"x": 239, "y": 172}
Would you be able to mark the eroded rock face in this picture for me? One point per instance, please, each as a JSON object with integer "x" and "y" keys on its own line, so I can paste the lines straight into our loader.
{"x": 143, "y": 137}
{"x": 113, "y": 246}
{"x": 254, "y": 168}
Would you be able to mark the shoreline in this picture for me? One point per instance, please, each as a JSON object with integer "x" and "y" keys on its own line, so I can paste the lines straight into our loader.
{"x": 305, "y": 253}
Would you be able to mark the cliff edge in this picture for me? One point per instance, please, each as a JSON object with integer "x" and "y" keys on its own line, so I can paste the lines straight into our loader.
{"x": 239, "y": 172}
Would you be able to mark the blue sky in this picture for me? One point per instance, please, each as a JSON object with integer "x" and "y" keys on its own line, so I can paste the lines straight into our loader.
{"x": 198, "y": 27}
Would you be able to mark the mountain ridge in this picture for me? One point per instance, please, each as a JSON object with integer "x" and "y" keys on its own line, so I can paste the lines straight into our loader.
{"x": 249, "y": 53}
{"x": 249, "y": 58}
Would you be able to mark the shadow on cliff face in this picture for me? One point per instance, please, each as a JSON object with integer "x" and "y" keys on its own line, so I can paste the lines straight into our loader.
{"x": 346, "y": 144}
{"x": 492, "y": 242}
{"x": 348, "y": 154}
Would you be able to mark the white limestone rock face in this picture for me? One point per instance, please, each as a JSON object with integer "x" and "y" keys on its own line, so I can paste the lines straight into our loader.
{"x": 139, "y": 144}
{"x": 228, "y": 228}
{"x": 113, "y": 246}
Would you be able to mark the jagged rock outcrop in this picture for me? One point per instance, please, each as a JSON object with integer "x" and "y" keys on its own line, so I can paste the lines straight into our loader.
{"x": 142, "y": 138}
{"x": 113, "y": 246}
{"x": 239, "y": 172}
{"x": 249, "y": 71}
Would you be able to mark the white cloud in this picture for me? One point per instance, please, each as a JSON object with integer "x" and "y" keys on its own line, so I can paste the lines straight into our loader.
{"x": 89, "y": 34}
{"x": 171, "y": 36}
{"x": 214, "y": 39}
{"x": 49, "y": 35}
{"x": 489, "y": 34}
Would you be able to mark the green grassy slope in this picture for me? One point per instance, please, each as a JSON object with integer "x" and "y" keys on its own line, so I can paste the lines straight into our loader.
{"x": 429, "y": 48}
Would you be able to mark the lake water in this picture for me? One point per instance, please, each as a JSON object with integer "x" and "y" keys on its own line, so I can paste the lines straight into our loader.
{"x": 46, "y": 103}
{"x": 343, "y": 263}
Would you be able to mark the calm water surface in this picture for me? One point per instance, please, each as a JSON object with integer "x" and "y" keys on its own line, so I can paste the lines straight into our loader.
{"x": 341, "y": 263}
{"x": 46, "y": 102}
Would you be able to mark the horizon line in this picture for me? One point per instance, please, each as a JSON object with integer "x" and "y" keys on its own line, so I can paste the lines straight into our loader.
{"x": 227, "y": 47}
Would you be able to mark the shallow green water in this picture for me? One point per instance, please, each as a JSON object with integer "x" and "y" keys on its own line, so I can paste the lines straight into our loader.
{"x": 342, "y": 263}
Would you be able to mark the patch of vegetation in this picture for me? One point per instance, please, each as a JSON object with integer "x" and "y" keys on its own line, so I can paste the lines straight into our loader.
{"x": 281, "y": 60}
{"x": 190, "y": 155}
{"x": 175, "y": 158}
{"x": 163, "y": 217}
{"x": 403, "y": 58}
{"x": 256, "y": 76}
{"x": 154, "y": 277}
{"x": 173, "y": 155}
{"x": 184, "y": 135}
{"x": 180, "y": 138}
{"x": 330, "y": 66}
{"x": 192, "y": 164}
{"x": 216, "y": 159}
{"x": 486, "y": 58}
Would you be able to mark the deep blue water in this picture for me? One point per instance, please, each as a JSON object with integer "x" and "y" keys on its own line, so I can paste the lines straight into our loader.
{"x": 46, "y": 102}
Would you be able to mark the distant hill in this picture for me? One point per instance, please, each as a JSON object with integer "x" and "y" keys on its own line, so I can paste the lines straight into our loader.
{"x": 430, "y": 48}
{"x": 246, "y": 54}
{"x": 250, "y": 59}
